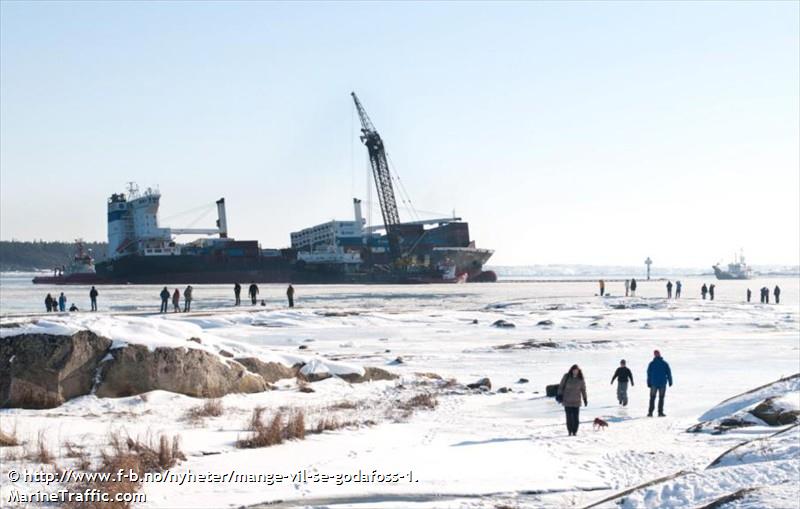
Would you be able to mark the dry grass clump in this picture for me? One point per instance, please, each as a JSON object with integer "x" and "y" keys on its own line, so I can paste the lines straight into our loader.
{"x": 209, "y": 408}
{"x": 72, "y": 450}
{"x": 41, "y": 452}
{"x": 343, "y": 405}
{"x": 274, "y": 433}
{"x": 425, "y": 401}
{"x": 127, "y": 454}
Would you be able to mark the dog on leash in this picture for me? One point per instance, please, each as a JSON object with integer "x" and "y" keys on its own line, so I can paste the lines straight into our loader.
{"x": 599, "y": 424}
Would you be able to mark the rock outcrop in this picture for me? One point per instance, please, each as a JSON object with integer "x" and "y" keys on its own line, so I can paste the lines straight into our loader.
{"x": 45, "y": 370}
{"x": 271, "y": 372}
{"x": 135, "y": 369}
{"x": 771, "y": 413}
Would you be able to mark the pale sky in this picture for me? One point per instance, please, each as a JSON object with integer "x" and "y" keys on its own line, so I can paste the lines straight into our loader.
{"x": 587, "y": 132}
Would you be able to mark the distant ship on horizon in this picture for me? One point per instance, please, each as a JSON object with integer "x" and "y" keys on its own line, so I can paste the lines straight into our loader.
{"x": 736, "y": 270}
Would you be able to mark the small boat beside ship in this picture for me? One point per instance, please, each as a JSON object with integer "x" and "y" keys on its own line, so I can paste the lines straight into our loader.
{"x": 80, "y": 270}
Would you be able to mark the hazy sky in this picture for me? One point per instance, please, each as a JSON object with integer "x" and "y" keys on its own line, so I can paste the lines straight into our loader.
{"x": 587, "y": 132}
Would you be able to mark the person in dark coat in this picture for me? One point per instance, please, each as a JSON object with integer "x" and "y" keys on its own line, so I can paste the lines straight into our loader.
{"x": 290, "y": 295}
{"x": 633, "y": 287}
{"x": 703, "y": 291}
{"x": 749, "y": 294}
{"x": 711, "y": 291}
{"x": 623, "y": 375}
{"x": 237, "y": 292}
{"x": 187, "y": 299}
{"x": 766, "y": 295}
{"x": 62, "y": 302}
{"x": 93, "y": 293}
{"x": 678, "y": 287}
{"x": 570, "y": 391}
{"x": 658, "y": 376}
{"x": 164, "y": 300}
{"x": 253, "y": 292}
{"x": 48, "y": 303}
{"x": 777, "y": 293}
{"x": 669, "y": 289}
{"x": 176, "y": 301}
{"x": 602, "y": 288}
{"x": 73, "y": 308}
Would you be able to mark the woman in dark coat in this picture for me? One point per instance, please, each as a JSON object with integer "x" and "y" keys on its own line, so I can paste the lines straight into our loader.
{"x": 570, "y": 392}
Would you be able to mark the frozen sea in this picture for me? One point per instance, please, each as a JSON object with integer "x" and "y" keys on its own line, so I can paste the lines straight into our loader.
{"x": 476, "y": 449}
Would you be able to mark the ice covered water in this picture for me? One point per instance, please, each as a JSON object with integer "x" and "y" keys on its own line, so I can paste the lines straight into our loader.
{"x": 481, "y": 448}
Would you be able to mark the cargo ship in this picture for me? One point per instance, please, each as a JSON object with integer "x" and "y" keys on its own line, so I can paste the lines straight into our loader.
{"x": 141, "y": 251}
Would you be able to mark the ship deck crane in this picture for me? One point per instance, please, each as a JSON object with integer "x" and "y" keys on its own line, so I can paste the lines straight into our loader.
{"x": 383, "y": 178}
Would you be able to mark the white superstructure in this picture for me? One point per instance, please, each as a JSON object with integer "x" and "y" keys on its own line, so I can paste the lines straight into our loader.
{"x": 133, "y": 225}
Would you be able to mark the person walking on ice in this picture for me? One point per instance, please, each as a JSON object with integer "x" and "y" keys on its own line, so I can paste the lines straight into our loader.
{"x": 749, "y": 294}
{"x": 570, "y": 391}
{"x": 658, "y": 376}
{"x": 633, "y": 287}
{"x": 669, "y": 289}
{"x": 623, "y": 375}
{"x": 711, "y": 289}
{"x": 777, "y": 293}
{"x": 253, "y": 292}
{"x": 703, "y": 291}
{"x": 290, "y": 295}
{"x": 237, "y": 292}
{"x": 602, "y": 288}
{"x": 678, "y": 287}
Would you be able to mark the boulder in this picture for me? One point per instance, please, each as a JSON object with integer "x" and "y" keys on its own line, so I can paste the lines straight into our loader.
{"x": 502, "y": 324}
{"x": 271, "y": 372}
{"x": 769, "y": 412}
{"x": 45, "y": 370}
{"x": 483, "y": 382}
{"x": 135, "y": 369}
{"x": 545, "y": 323}
{"x": 551, "y": 391}
{"x": 370, "y": 374}
{"x": 523, "y": 381}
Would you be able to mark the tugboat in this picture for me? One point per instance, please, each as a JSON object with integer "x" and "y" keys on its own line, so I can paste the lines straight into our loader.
{"x": 79, "y": 271}
{"x": 736, "y": 270}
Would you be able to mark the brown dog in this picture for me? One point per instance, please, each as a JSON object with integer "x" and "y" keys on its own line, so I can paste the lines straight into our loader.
{"x": 599, "y": 424}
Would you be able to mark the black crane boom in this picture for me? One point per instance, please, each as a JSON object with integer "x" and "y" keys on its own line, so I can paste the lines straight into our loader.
{"x": 380, "y": 167}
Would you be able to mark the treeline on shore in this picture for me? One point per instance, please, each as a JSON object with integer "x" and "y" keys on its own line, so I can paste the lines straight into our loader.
{"x": 41, "y": 255}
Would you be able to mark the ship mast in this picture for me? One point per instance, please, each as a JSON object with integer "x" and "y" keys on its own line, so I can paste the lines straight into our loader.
{"x": 383, "y": 178}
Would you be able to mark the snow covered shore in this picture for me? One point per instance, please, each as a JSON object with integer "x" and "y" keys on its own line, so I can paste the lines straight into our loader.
{"x": 476, "y": 448}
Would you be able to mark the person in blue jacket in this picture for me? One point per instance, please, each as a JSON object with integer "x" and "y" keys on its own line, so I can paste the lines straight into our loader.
{"x": 658, "y": 376}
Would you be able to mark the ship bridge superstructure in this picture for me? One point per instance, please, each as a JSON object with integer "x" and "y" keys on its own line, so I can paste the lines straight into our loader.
{"x": 133, "y": 226}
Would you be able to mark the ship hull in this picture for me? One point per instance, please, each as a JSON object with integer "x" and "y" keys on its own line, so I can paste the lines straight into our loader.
{"x": 71, "y": 279}
{"x": 181, "y": 269}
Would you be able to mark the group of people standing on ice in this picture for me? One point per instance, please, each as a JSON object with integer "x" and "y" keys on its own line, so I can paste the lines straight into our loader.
{"x": 572, "y": 389}
{"x": 764, "y": 291}
{"x": 253, "y": 291}
{"x": 630, "y": 287}
{"x": 59, "y": 304}
{"x": 176, "y": 300}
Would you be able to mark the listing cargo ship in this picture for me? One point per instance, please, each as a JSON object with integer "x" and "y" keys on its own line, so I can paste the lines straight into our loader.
{"x": 141, "y": 251}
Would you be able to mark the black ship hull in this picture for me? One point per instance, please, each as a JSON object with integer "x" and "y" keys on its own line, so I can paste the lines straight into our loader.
{"x": 190, "y": 269}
